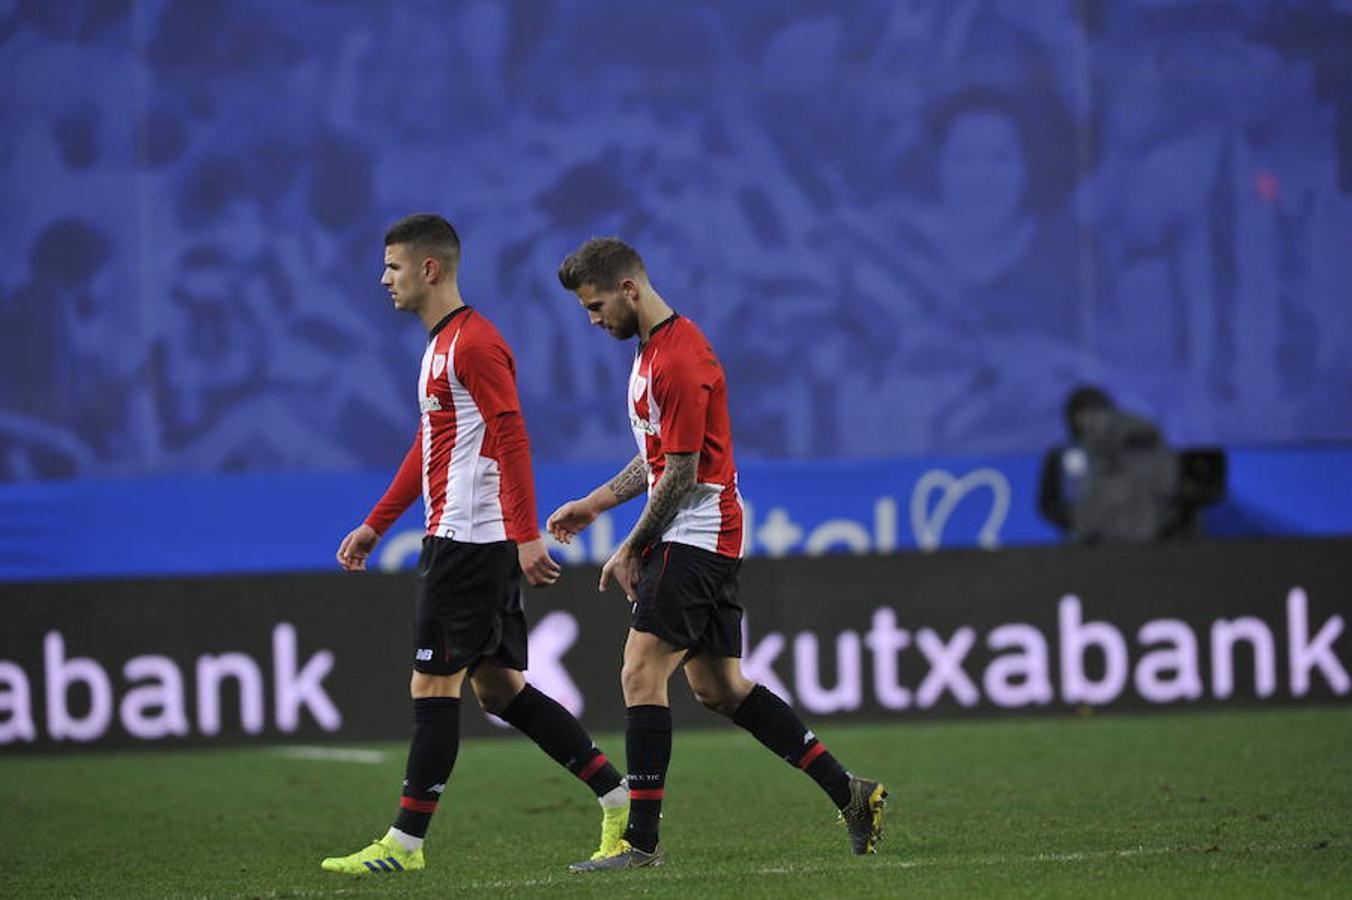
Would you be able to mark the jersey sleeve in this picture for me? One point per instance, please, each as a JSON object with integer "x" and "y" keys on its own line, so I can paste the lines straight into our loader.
{"x": 518, "y": 486}
{"x": 486, "y": 369}
{"x": 682, "y": 384}
{"x": 403, "y": 490}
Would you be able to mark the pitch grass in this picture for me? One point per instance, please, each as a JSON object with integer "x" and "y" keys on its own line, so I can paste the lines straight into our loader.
{"x": 1215, "y": 804}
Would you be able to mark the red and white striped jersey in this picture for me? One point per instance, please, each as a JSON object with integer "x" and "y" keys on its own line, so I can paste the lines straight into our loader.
{"x": 471, "y": 455}
{"x": 678, "y": 403}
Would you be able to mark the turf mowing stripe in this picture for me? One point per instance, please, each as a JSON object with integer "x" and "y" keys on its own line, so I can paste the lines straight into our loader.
{"x": 333, "y": 754}
{"x": 933, "y": 862}
{"x": 845, "y": 865}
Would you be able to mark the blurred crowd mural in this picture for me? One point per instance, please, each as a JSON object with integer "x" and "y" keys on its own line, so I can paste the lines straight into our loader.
{"x": 909, "y": 226}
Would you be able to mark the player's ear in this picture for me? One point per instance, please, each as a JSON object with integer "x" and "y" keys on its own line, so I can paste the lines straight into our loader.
{"x": 630, "y": 288}
{"x": 431, "y": 269}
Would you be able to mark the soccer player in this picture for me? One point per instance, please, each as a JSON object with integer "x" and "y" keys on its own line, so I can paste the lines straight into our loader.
{"x": 470, "y": 461}
{"x": 679, "y": 565}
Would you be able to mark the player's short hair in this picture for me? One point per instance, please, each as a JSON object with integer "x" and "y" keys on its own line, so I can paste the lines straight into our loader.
{"x": 427, "y": 233}
{"x": 602, "y": 262}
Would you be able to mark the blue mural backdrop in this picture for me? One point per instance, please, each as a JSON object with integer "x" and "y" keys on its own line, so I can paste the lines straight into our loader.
{"x": 909, "y": 226}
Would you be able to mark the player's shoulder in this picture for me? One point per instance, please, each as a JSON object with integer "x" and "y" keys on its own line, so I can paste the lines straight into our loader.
{"x": 683, "y": 328}
{"x": 683, "y": 333}
{"x": 686, "y": 352}
{"x": 480, "y": 332}
{"x": 479, "y": 346}
{"x": 479, "y": 326}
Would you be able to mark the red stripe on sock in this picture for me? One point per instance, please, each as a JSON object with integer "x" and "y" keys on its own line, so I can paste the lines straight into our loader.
{"x": 593, "y": 767}
{"x": 422, "y": 806}
{"x": 817, "y": 750}
{"x": 648, "y": 794}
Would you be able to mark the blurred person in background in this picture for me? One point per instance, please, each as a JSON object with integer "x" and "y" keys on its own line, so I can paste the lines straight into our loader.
{"x": 975, "y": 281}
{"x": 1117, "y": 482}
{"x": 1220, "y": 215}
{"x": 219, "y": 407}
{"x": 75, "y": 363}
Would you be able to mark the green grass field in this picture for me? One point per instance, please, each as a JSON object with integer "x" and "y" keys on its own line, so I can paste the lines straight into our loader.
{"x": 1217, "y": 804}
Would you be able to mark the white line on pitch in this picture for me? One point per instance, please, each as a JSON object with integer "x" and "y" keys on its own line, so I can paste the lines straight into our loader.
{"x": 958, "y": 862}
{"x": 845, "y": 865}
{"x": 332, "y": 754}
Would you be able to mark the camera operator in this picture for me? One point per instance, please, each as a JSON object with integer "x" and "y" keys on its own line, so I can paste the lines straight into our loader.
{"x": 1118, "y": 482}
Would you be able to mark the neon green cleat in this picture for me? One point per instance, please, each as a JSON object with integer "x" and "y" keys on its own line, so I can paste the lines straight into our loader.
{"x": 382, "y": 857}
{"x": 613, "y": 822}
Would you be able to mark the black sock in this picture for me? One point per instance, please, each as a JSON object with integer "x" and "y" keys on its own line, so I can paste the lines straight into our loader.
{"x": 431, "y": 756}
{"x": 778, "y": 727}
{"x": 540, "y": 718}
{"x": 647, "y": 744}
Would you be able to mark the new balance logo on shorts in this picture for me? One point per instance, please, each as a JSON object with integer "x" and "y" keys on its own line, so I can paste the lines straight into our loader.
{"x": 424, "y": 654}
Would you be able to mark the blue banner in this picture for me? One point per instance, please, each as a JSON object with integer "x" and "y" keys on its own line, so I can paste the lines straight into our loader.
{"x": 909, "y": 228}
{"x": 197, "y": 525}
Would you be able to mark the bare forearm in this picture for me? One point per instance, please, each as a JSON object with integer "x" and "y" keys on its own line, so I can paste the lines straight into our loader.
{"x": 664, "y": 501}
{"x": 631, "y": 481}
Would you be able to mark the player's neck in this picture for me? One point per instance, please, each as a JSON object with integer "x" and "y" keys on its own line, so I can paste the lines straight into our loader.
{"x": 652, "y": 311}
{"x": 439, "y": 305}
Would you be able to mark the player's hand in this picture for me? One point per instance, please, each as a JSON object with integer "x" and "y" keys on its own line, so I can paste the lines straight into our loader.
{"x": 537, "y": 565}
{"x": 624, "y": 567}
{"x": 356, "y": 547}
{"x": 566, "y": 521}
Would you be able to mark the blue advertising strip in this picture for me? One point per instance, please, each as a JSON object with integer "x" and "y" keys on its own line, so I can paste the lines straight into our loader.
{"x": 199, "y": 525}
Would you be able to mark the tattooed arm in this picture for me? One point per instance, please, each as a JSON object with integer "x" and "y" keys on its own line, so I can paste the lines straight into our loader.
{"x": 632, "y": 481}
{"x": 677, "y": 479}
{"x": 575, "y": 515}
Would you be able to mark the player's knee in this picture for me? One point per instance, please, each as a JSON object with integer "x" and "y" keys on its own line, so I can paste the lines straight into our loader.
{"x": 717, "y": 697}
{"x": 493, "y": 697}
{"x": 639, "y": 680}
{"x": 631, "y": 677}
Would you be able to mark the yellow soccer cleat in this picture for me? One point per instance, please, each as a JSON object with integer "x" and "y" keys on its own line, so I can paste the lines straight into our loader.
{"x": 382, "y": 857}
{"x": 613, "y": 822}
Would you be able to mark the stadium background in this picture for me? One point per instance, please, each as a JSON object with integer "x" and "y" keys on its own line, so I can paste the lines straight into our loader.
{"x": 909, "y": 228}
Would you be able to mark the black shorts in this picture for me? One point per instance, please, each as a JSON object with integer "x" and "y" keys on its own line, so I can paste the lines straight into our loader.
{"x": 468, "y": 607}
{"x": 688, "y": 597}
